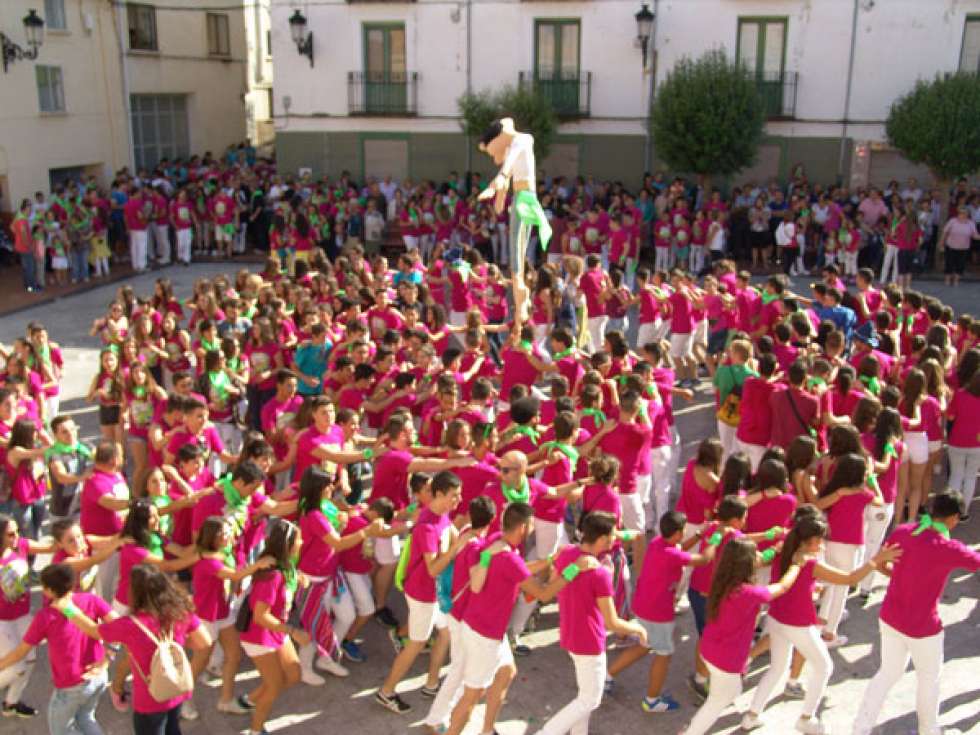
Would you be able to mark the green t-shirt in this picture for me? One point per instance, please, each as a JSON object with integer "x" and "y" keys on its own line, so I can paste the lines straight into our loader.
{"x": 729, "y": 377}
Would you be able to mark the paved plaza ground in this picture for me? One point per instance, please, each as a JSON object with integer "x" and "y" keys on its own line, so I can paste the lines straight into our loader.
{"x": 545, "y": 679}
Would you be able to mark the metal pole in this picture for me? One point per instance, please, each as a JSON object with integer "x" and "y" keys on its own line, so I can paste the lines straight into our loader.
{"x": 118, "y": 8}
{"x": 651, "y": 89}
{"x": 469, "y": 80}
{"x": 847, "y": 94}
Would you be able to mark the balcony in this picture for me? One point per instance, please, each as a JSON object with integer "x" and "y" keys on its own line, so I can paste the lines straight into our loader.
{"x": 778, "y": 90}
{"x": 570, "y": 93}
{"x": 383, "y": 94}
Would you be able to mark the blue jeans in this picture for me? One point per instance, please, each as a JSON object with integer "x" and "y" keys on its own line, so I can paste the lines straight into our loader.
{"x": 79, "y": 261}
{"x": 27, "y": 266}
{"x": 29, "y": 518}
{"x": 72, "y": 710}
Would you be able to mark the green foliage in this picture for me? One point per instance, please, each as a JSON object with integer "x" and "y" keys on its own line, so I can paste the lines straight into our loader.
{"x": 532, "y": 113}
{"x": 708, "y": 116}
{"x": 936, "y": 124}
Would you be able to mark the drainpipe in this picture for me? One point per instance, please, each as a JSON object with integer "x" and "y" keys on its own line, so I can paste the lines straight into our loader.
{"x": 118, "y": 9}
{"x": 647, "y": 139}
{"x": 469, "y": 78}
{"x": 847, "y": 95}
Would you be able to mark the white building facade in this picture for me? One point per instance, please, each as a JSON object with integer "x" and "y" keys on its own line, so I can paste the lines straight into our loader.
{"x": 381, "y": 94}
{"x": 258, "y": 100}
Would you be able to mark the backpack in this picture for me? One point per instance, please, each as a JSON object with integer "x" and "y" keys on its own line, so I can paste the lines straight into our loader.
{"x": 170, "y": 671}
{"x": 730, "y": 411}
{"x": 401, "y": 570}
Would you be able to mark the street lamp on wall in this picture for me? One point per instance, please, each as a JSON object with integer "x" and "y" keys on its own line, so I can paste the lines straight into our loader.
{"x": 644, "y": 29}
{"x": 301, "y": 37}
{"x": 34, "y": 31}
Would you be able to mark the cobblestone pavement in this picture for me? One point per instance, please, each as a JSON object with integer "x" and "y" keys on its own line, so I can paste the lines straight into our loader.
{"x": 545, "y": 680}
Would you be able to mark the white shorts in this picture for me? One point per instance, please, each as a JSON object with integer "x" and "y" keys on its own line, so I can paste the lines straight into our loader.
{"x": 680, "y": 345}
{"x": 119, "y": 609}
{"x": 361, "y": 592}
{"x": 918, "y": 446}
{"x": 254, "y": 650}
{"x": 482, "y": 658}
{"x": 214, "y": 627}
{"x": 935, "y": 446}
{"x": 387, "y": 550}
{"x": 220, "y": 235}
{"x": 701, "y": 333}
{"x": 634, "y": 519}
{"x": 422, "y": 618}
{"x": 647, "y": 333}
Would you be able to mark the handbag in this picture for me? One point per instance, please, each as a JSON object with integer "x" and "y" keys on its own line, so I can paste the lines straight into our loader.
{"x": 243, "y": 620}
{"x": 729, "y": 412}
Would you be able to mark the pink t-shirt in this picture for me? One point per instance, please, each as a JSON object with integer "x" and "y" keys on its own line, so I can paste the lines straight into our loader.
{"x": 703, "y": 576}
{"x": 75, "y": 650}
{"x": 964, "y": 410}
{"x": 695, "y": 501}
{"x": 769, "y": 512}
{"x": 317, "y": 558}
{"x": 591, "y": 284}
{"x": 727, "y": 639}
{"x": 141, "y": 650}
{"x": 474, "y": 479}
{"x": 517, "y": 370}
{"x": 209, "y": 440}
{"x": 210, "y": 595}
{"x": 488, "y": 613}
{"x": 466, "y": 558}
{"x": 796, "y": 606}
{"x": 307, "y": 443}
{"x": 919, "y": 577}
{"x": 95, "y": 519}
{"x": 846, "y": 518}
{"x": 626, "y": 442}
{"x": 129, "y": 556}
{"x": 430, "y": 536}
{"x": 268, "y": 587}
{"x": 681, "y": 317}
{"x": 391, "y": 477}
{"x": 755, "y": 423}
{"x": 353, "y": 560}
{"x": 602, "y": 498}
{"x": 16, "y": 559}
{"x": 656, "y": 588}
{"x": 581, "y": 627}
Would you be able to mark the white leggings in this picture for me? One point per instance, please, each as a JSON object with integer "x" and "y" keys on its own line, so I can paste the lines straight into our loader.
{"x": 723, "y": 689}
{"x": 964, "y": 462}
{"x": 843, "y": 557}
{"x": 890, "y": 264}
{"x": 573, "y": 718}
{"x": 896, "y": 650}
{"x": 15, "y": 678}
{"x": 782, "y": 640}
{"x": 877, "y": 520}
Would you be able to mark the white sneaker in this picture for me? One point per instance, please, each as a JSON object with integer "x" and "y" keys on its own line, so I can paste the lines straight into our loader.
{"x": 232, "y": 707}
{"x": 188, "y": 711}
{"x": 750, "y": 721}
{"x": 325, "y": 663}
{"x": 811, "y": 726}
{"x": 311, "y": 678}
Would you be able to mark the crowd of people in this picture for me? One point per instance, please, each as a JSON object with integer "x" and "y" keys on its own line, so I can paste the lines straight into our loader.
{"x": 285, "y": 453}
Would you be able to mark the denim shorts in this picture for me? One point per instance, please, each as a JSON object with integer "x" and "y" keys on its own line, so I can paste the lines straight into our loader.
{"x": 699, "y": 606}
{"x": 660, "y": 636}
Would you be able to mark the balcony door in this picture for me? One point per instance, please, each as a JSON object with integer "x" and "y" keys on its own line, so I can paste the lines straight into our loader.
{"x": 385, "y": 77}
{"x": 556, "y": 62}
{"x": 762, "y": 51}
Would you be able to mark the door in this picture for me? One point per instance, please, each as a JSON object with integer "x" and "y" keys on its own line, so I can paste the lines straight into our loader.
{"x": 385, "y": 77}
{"x": 762, "y": 51}
{"x": 384, "y": 157}
{"x": 556, "y": 63}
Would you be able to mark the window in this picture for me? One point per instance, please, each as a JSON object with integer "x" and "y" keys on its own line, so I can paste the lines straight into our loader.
{"x": 268, "y": 43}
{"x": 556, "y": 63}
{"x": 385, "y": 73}
{"x": 218, "y": 44}
{"x": 271, "y": 103}
{"x": 970, "y": 53}
{"x": 54, "y": 15}
{"x": 762, "y": 45}
{"x": 159, "y": 126}
{"x": 142, "y": 27}
{"x": 50, "y": 88}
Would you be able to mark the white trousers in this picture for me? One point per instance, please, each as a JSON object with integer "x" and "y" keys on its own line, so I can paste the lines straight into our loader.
{"x": 573, "y": 718}
{"x": 782, "y": 640}
{"x": 843, "y": 557}
{"x": 726, "y": 434}
{"x": 161, "y": 238}
{"x": 660, "y": 489}
{"x": 184, "y": 240}
{"x": 548, "y": 538}
{"x": 890, "y": 264}
{"x": 452, "y": 683}
{"x": 896, "y": 650}
{"x": 662, "y": 259}
{"x": 723, "y": 689}
{"x": 964, "y": 463}
{"x": 137, "y": 249}
{"x": 597, "y": 332}
{"x": 754, "y": 452}
{"x": 876, "y": 522}
{"x": 15, "y": 678}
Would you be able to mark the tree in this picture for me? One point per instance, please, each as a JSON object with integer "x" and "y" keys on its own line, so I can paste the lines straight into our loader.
{"x": 936, "y": 125}
{"x": 532, "y": 113}
{"x": 708, "y": 116}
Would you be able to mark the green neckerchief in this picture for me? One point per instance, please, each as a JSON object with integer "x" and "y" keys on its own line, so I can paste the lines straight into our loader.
{"x": 139, "y": 391}
{"x": 332, "y": 513}
{"x": 563, "y": 354}
{"x": 220, "y": 381}
{"x": 59, "y": 448}
{"x": 529, "y": 431}
{"x": 464, "y": 269}
{"x": 926, "y": 523}
{"x": 289, "y": 574}
{"x": 155, "y": 544}
{"x": 595, "y": 413}
{"x": 567, "y": 449}
{"x": 889, "y": 450}
{"x": 234, "y": 363}
{"x": 815, "y": 381}
{"x": 529, "y": 212}
{"x": 525, "y": 345}
{"x": 233, "y": 498}
{"x": 166, "y": 521}
{"x": 516, "y": 495}
{"x": 872, "y": 383}
{"x": 768, "y": 298}
{"x": 209, "y": 345}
